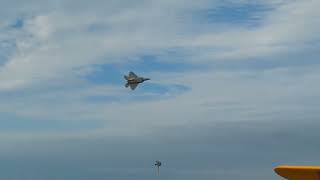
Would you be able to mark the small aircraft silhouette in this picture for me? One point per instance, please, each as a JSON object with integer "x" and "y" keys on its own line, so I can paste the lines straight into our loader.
{"x": 133, "y": 80}
{"x": 158, "y": 164}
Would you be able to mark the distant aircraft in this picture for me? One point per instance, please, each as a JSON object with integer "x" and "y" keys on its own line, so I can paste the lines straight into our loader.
{"x": 133, "y": 80}
{"x": 299, "y": 172}
{"x": 158, "y": 164}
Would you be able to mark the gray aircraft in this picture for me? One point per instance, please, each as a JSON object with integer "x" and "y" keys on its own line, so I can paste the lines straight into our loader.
{"x": 133, "y": 80}
{"x": 158, "y": 164}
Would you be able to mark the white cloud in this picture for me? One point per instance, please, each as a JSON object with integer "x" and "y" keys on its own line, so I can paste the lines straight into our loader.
{"x": 288, "y": 28}
{"x": 60, "y": 41}
{"x": 56, "y": 46}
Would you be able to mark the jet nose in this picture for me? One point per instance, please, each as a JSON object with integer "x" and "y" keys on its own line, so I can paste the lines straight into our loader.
{"x": 146, "y": 79}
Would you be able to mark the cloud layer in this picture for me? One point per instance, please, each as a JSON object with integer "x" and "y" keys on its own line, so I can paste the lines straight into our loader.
{"x": 234, "y": 83}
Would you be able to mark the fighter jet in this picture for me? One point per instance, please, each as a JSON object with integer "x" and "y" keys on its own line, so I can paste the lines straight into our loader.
{"x": 133, "y": 80}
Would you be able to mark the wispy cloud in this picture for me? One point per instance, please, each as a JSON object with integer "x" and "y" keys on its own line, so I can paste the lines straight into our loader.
{"x": 217, "y": 69}
{"x": 54, "y": 65}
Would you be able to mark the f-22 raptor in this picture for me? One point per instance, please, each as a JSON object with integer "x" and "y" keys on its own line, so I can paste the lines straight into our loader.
{"x": 133, "y": 80}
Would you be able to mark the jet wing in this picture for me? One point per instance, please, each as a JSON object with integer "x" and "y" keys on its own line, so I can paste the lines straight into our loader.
{"x": 299, "y": 172}
{"x": 133, "y": 86}
{"x": 132, "y": 75}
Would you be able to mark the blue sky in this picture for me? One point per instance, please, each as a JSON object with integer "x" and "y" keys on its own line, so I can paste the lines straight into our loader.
{"x": 233, "y": 90}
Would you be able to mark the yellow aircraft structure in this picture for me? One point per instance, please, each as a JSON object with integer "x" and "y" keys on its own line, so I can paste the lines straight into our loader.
{"x": 299, "y": 172}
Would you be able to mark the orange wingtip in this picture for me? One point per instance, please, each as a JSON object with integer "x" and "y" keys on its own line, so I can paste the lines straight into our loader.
{"x": 298, "y": 172}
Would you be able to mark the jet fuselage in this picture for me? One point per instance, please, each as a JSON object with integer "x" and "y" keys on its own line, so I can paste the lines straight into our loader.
{"x": 133, "y": 80}
{"x": 137, "y": 80}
